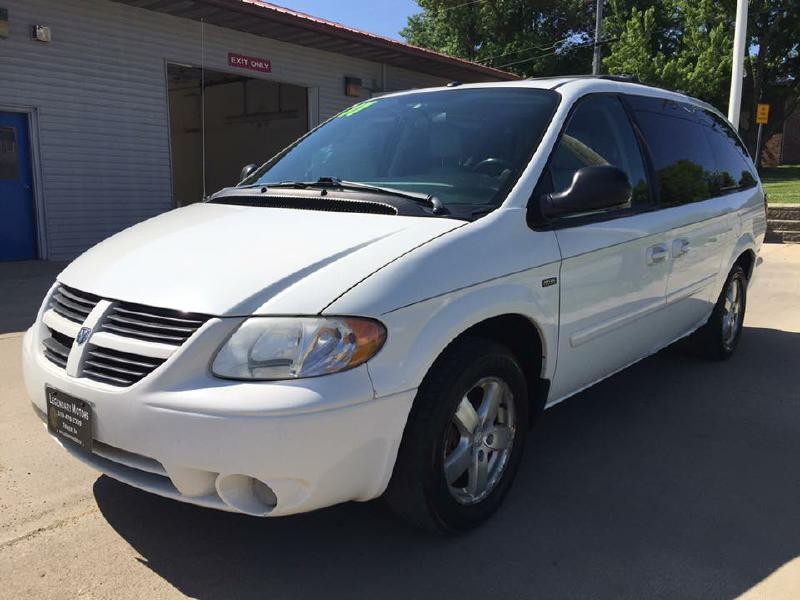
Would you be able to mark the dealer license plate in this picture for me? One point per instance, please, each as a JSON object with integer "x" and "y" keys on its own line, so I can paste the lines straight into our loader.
{"x": 69, "y": 418}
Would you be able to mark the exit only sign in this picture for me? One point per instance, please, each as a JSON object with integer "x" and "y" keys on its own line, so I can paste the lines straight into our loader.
{"x": 253, "y": 63}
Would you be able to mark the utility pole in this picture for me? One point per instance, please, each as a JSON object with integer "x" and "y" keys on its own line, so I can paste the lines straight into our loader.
{"x": 737, "y": 70}
{"x": 598, "y": 33}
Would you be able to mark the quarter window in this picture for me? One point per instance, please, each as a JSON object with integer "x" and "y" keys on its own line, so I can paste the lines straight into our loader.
{"x": 733, "y": 165}
{"x": 599, "y": 133}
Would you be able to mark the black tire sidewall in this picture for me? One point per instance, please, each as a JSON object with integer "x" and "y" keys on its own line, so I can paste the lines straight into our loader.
{"x": 489, "y": 360}
{"x": 722, "y": 350}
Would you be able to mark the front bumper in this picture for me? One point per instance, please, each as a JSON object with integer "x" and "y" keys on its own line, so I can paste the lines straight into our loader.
{"x": 184, "y": 434}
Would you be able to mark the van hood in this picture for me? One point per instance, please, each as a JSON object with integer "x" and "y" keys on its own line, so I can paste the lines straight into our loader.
{"x": 239, "y": 260}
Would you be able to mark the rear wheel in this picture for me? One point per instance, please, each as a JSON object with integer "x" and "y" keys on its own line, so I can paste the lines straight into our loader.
{"x": 718, "y": 338}
{"x": 464, "y": 438}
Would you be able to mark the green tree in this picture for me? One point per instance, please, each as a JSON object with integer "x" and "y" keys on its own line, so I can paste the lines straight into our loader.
{"x": 528, "y": 37}
{"x": 679, "y": 44}
{"x": 684, "y": 181}
{"x": 687, "y": 45}
{"x": 772, "y": 65}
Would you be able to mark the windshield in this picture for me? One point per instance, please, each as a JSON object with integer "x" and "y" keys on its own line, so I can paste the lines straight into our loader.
{"x": 466, "y": 146}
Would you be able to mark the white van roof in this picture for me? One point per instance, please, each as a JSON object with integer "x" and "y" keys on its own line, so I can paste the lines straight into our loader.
{"x": 573, "y": 86}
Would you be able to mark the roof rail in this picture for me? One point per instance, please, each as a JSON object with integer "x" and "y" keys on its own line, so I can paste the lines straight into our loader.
{"x": 622, "y": 77}
{"x": 627, "y": 78}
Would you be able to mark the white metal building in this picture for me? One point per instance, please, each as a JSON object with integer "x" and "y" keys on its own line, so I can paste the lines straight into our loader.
{"x": 106, "y": 106}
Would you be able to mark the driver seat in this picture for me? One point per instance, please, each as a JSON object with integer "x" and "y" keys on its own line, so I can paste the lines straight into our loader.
{"x": 445, "y": 147}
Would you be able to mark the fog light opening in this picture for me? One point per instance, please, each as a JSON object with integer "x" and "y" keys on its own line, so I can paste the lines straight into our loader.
{"x": 264, "y": 494}
{"x": 246, "y": 494}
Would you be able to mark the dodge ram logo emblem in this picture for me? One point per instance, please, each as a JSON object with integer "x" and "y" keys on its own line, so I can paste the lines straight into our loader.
{"x": 83, "y": 335}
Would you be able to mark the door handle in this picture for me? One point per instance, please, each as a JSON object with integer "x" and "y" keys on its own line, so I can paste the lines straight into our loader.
{"x": 680, "y": 247}
{"x": 657, "y": 254}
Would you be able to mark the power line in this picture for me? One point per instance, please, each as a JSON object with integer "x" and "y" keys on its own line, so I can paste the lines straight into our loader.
{"x": 446, "y": 8}
{"x": 567, "y": 49}
{"x": 552, "y": 48}
{"x": 486, "y": 61}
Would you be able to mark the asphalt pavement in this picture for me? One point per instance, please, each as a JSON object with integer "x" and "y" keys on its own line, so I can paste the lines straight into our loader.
{"x": 676, "y": 478}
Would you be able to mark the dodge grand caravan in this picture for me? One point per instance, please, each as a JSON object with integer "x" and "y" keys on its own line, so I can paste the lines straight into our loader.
{"x": 385, "y": 307}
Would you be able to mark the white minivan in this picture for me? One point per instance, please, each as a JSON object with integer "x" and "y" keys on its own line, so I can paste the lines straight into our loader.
{"x": 386, "y": 306}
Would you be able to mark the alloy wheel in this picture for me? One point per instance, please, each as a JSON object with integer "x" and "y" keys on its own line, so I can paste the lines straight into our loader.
{"x": 732, "y": 312}
{"x": 479, "y": 440}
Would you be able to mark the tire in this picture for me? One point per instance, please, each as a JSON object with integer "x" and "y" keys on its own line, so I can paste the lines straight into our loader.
{"x": 442, "y": 430}
{"x": 719, "y": 337}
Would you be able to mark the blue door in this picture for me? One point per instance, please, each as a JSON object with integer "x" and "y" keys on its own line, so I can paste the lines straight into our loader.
{"x": 17, "y": 220}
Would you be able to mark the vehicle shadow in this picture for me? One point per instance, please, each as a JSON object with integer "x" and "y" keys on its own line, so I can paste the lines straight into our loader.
{"x": 676, "y": 478}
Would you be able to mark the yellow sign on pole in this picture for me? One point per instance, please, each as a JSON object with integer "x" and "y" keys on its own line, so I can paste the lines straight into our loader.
{"x": 762, "y": 114}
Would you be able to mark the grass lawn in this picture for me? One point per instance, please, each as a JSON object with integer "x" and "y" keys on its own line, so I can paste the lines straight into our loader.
{"x": 782, "y": 184}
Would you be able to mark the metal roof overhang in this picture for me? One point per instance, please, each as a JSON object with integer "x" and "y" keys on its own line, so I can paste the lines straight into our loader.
{"x": 252, "y": 16}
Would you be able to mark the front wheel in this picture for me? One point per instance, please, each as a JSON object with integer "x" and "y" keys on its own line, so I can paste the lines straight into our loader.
{"x": 464, "y": 438}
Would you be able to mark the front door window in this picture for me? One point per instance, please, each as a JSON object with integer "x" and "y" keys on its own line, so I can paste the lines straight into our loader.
{"x": 599, "y": 133}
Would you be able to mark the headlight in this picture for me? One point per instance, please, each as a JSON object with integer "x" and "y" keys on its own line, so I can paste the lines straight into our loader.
{"x": 294, "y": 347}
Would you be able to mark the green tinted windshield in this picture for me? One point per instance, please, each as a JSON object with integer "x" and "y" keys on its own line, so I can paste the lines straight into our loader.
{"x": 465, "y": 146}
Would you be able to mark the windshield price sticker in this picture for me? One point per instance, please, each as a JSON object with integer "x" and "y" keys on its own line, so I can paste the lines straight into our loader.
{"x": 357, "y": 108}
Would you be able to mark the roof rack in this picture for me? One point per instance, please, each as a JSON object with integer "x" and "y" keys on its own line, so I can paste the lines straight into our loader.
{"x": 626, "y": 77}
{"x": 622, "y": 77}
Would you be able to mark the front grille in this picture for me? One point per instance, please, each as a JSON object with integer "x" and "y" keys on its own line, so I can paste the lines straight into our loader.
{"x": 152, "y": 324}
{"x": 152, "y": 327}
{"x": 57, "y": 347}
{"x": 117, "y": 368}
{"x": 73, "y": 304}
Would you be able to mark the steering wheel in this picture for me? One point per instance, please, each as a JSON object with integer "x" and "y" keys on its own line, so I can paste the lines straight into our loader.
{"x": 496, "y": 166}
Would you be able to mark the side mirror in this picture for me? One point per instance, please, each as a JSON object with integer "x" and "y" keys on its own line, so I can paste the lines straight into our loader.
{"x": 247, "y": 170}
{"x": 592, "y": 188}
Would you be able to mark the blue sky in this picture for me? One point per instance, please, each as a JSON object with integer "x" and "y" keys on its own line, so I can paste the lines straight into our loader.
{"x": 384, "y": 17}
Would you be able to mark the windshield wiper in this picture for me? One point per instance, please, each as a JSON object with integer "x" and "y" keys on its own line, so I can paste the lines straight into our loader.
{"x": 335, "y": 183}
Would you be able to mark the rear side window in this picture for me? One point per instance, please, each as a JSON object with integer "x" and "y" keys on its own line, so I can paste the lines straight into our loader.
{"x": 682, "y": 156}
{"x": 733, "y": 164}
{"x": 599, "y": 133}
{"x": 696, "y": 155}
